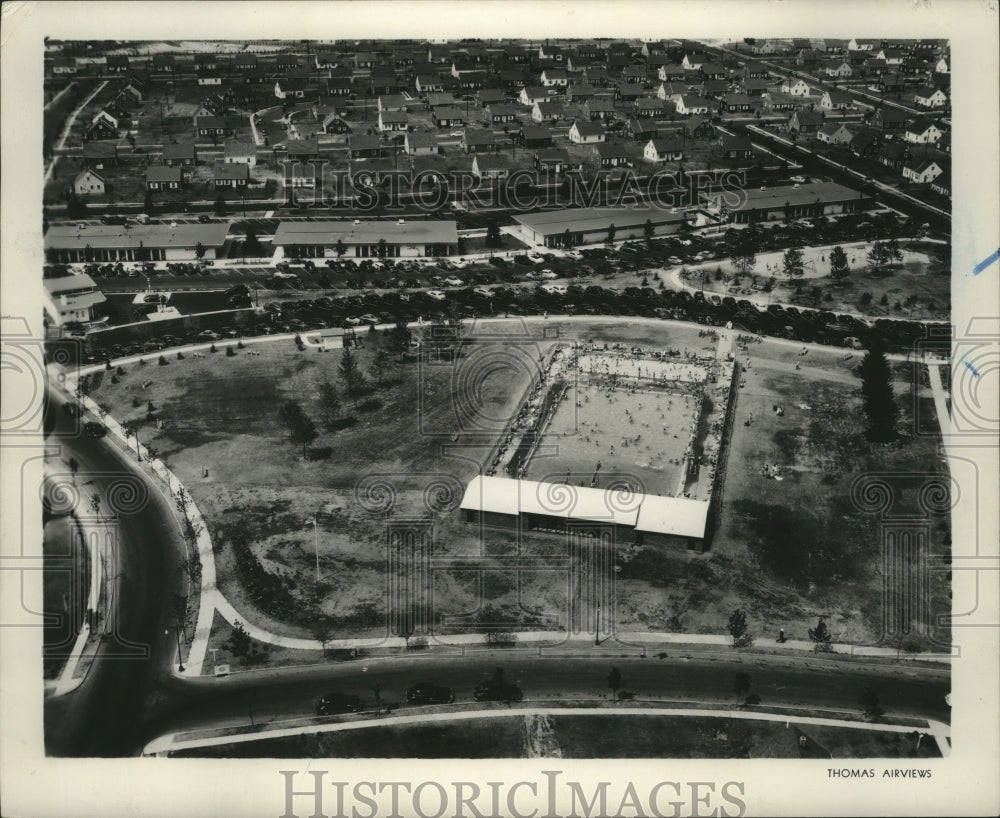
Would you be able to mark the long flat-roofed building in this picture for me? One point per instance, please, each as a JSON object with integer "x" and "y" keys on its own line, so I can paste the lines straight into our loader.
{"x": 135, "y": 242}
{"x": 590, "y": 225}
{"x": 785, "y": 202}
{"x": 362, "y": 239}
{"x": 528, "y": 505}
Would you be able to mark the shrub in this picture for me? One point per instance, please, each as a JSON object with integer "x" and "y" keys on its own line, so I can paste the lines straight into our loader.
{"x": 136, "y": 403}
{"x": 213, "y": 349}
{"x": 107, "y": 366}
{"x": 180, "y": 356}
{"x": 239, "y": 345}
{"x": 120, "y": 371}
{"x": 163, "y": 361}
{"x": 142, "y": 362}
{"x": 114, "y": 379}
{"x": 230, "y": 352}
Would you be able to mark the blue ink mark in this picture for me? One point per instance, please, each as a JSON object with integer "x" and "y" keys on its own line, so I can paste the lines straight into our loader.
{"x": 971, "y": 368}
{"x": 986, "y": 262}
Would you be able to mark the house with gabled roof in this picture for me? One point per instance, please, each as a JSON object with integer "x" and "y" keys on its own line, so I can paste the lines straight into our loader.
{"x": 446, "y": 117}
{"x": 796, "y": 86}
{"x": 546, "y": 112}
{"x": 641, "y": 130}
{"x": 180, "y": 155}
{"x": 928, "y": 97}
{"x": 479, "y": 141}
{"x": 88, "y": 182}
{"x": 922, "y": 131}
{"x": 418, "y": 143}
{"x": 535, "y": 136}
{"x": 584, "y": 133}
{"x": 689, "y": 104}
{"x": 490, "y": 166}
{"x": 663, "y": 149}
{"x": 501, "y": 113}
{"x": 834, "y": 100}
{"x": 805, "y": 121}
{"x": 231, "y": 174}
{"x": 599, "y": 110}
{"x": 887, "y": 118}
{"x": 737, "y": 104}
{"x": 388, "y": 121}
{"x": 735, "y": 147}
{"x": 835, "y": 133}
{"x": 610, "y": 155}
{"x": 101, "y": 155}
{"x": 532, "y": 94}
{"x": 161, "y": 177}
{"x": 922, "y": 171}
{"x": 364, "y": 146}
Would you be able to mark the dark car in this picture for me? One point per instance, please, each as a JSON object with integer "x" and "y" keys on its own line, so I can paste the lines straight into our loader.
{"x": 203, "y": 219}
{"x": 427, "y": 693}
{"x": 497, "y": 690}
{"x": 336, "y": 702}
{"x": 116, "y": 220}
{"x": 95, "y": 429}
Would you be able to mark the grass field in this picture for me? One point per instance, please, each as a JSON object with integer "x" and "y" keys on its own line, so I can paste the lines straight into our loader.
{"x": 593, "y": 736}
{"x": 788, "y": 550}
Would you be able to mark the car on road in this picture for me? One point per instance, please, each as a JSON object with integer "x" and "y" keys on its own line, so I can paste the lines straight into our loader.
{"x": 208, "y": 335}
{"x": 797, "y": 179}
{"x": 497, "y": 690}
{"x": 337, "y": 702}
{"x": 95, "y": 429}
{"x": 427, "y": 693}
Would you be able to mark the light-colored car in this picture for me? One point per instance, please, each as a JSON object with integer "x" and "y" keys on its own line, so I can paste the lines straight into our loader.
{"x": 675, "y": 260}
{"x": 536, "y": 257}
{"x": 452, "y": 281}
{"x": 485, "y": 292}
{"x": 547, "y": 274}
{"x": 437, "y": 295}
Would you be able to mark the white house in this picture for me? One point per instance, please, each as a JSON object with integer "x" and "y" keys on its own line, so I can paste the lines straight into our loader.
{"x": 663, "y": 150}
{"x": 921, "y": 171}
{"x": 834, "y": 133}
{"x": 922, "y": 131}
{"x": 586, "y": 133}
{"x": 88, "y": 183}
{"x": 795, "y": 86}
{"x": 690, "y": 104}
{"x": 930, "y": 97}
{"x": 531, "y": 94}
{"x": 943, "y": 67}
{"x": 555, "y": 78}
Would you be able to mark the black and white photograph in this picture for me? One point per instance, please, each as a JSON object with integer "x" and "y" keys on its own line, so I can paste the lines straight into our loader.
{"x": 500, "y": 409}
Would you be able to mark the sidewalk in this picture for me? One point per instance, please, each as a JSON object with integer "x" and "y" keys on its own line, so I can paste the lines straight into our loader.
{"x": 189, "y": 740}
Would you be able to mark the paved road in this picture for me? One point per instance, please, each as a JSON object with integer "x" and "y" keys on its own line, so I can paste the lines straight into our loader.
{"x": 276, "y": 695}
{"x": 103, "y": 716}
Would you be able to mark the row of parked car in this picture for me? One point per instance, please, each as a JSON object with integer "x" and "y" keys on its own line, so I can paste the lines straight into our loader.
{"x": 496, "y": 689}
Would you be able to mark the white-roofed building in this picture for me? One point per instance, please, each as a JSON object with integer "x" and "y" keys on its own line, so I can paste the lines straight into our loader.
{"x": 543, "y": 506}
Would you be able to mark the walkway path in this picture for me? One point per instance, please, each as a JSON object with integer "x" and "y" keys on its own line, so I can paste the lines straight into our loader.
{"x": 60, "y": 144}
{"x": 300, "y": 727}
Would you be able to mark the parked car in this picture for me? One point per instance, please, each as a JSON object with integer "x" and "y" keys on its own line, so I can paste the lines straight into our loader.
{"x": 337, "y": 702}
{"x": 427, "y": 693}
{"x": 118, "y": 220}
{"x": 547, "y": 274}
{"x": 204, "y": 219}
{"x": 437, "y": 295}
{"x": 95, "y": 429}
{"x": 497, "y": 690}
{"x": 452, "y": 281}
{"x": 208, "y": 335}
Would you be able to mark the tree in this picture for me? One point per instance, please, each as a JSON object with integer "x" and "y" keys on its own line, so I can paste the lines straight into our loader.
{"x": 615, "y": 681}
{"x": 493, "y": 238}
{"x": 878, "y": 257}
{"x": 741, "y": 685}
{"x": 877, "y": 396}
{"x": 739, "y": 629}
{"x": 647, "y": 230}
{"x": 329, "y": 402}
{"x": 870, "y": 704}
{"x": 341, "y": 248}
{"x": 892, "y": 250}
{"x": 611, "y": 234}
{"x": 399, "y": 337}
{"x": 199, "y": 250}
{"x": 251, "y": 244}
{"x": 865, "y": 299}
{"x": 74, "y": 467}
{"x": 382, "y": 249}
{"x": 839, "y": 269}
{"x": 323, "y": 631}
{"x": 301, "y": 429}
{"x": 239, "y": 640}
{"x": 379, "y": 363}
{"x": 821, "y": 636}
{"x": 792, "y": 262}
{"x": 95, "y": 505}
{"x": 350, "y": 374}
{"x": 743, "y": 254}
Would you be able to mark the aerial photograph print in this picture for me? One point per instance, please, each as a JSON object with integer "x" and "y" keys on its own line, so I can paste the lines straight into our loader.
{"x": 570, "y": 394}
